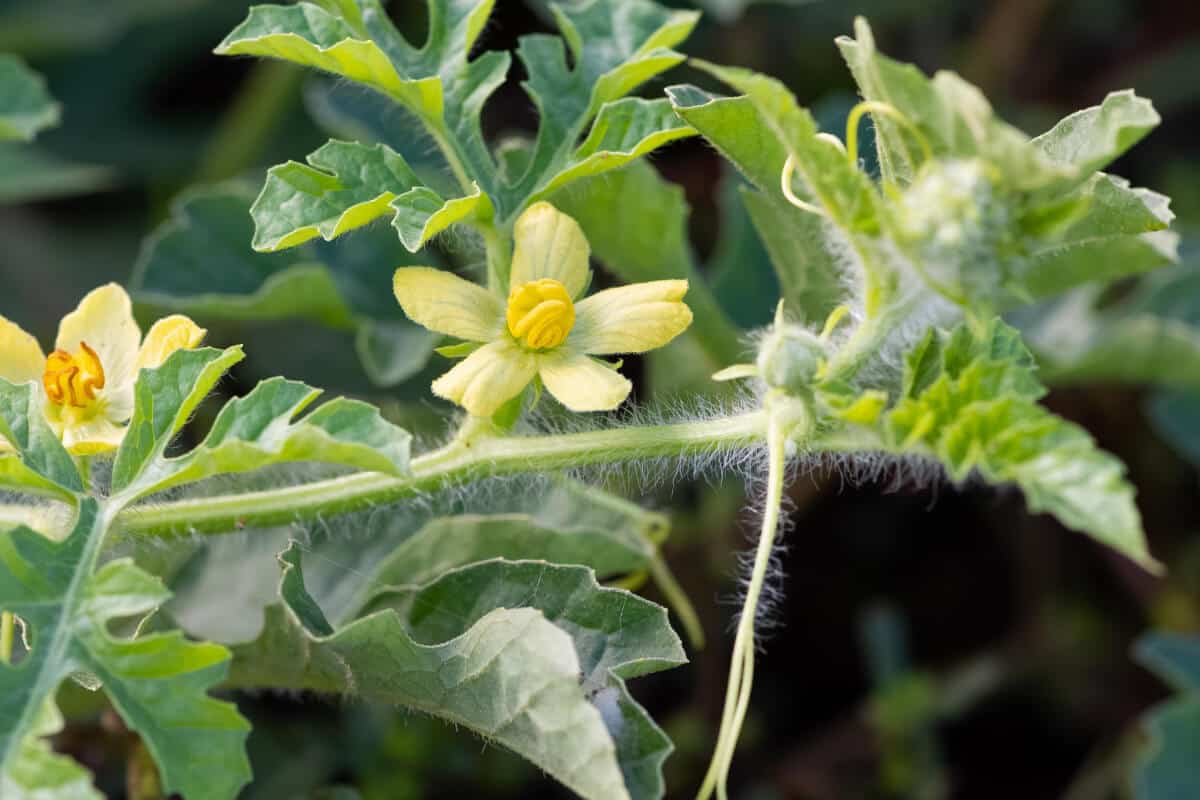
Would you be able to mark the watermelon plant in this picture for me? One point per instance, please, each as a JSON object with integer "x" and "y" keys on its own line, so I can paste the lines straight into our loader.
{"x": 515, "y": 618}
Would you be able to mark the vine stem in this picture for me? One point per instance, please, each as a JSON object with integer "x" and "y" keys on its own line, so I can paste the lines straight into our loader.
{"x": 464, "y": 459}
{"x": 741, "y": 667}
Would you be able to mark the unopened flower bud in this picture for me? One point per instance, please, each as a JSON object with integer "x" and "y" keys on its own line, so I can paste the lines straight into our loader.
{"x": 788, "y": 358}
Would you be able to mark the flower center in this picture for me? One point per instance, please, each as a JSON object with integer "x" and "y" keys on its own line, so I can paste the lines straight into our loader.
{"x": 540, "y": 313}
{"x": 72, "y": 380}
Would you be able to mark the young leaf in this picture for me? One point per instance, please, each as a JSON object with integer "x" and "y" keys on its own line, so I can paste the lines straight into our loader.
{"x": 624, "y": 130}
{"x": 554, "y": 659}
{"x": 757, "y": 132}
{"x": 257, "y": 431}
{"x": 953, "y": 116}
{"x": 164, "y": 398}
{"x": 157, "y": 683}
{"x": 1093, "y": 138}
{"x": 26, "y": 108}
{"x": 320, "y": 37}
{"x": 969, "y": 400}
{"x": 35, "y": 460}
{"x": 356, "y": 40}
{"x": 200, "y": 263}
{"x": 1121, "y": 233}
{"x": 347, "y": 186}
{"x": 615, "y": 46}
{"x": 1168, "y": 767}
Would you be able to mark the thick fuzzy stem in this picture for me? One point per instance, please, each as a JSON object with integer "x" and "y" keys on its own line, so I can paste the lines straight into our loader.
{"x": 461, "y": 461}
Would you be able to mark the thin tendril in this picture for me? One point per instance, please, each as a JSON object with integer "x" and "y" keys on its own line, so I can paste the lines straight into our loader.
{"x": 886, "y": 110}
{"x": 741, "y": 668}
{"x": 785, "y": 185}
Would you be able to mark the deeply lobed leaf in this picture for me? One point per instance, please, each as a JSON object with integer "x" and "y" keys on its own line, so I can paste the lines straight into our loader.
{"x": 157, "y": 683}
{"x": 35, "y": 459}
{"x": 524, "y": 651}
{"x": 969, "y": 400}
{"x": 256, "y": 431}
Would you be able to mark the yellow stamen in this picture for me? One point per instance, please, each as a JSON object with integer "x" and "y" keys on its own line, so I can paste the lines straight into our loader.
{"x": 72, "y": 380}
{"x": 540, "y": 313}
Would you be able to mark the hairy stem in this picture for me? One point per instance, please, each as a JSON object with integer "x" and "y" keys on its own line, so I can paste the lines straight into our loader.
{"x": 741, "y": 668}
{"x": 438, "y": 132}
{"x": 462, "y": 460}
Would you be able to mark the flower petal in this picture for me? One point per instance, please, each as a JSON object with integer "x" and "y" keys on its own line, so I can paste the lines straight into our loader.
{"x": 169, "y": 334}
{"x": 488, "y": 378}
{"x": 443, "y": 302}
{"x": 104, "y": 319}
{"x": 21, "y": 358}
{"x": 630, "y": 319}
{"x": 581, "y": 383}
{"x": 549, "y": 244}
{"x": 97, "y": 435}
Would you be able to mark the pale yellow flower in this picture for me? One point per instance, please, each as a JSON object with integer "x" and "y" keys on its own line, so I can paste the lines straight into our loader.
{"x": 88, "y": 380}
{"x": 543, "y": 330}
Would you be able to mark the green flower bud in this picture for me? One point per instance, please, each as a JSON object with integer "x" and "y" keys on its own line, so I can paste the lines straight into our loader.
{"x": 788, "y": 358}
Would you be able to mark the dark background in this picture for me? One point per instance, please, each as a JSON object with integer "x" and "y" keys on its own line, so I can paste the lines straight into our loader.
{"x": 931, "y": 642}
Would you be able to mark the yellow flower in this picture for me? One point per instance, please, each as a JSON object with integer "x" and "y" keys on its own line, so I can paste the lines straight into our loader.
{"x": 543, "y": 330}
{"x": 88, "y": 379}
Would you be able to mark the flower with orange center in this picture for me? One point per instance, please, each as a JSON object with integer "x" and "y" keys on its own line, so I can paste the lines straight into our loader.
{"x": 88, "y": 380}
{"x": 544, "y": 329}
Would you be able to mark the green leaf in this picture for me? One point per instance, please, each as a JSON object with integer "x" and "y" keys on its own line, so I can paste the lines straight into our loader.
{"x": 37, "y": 771}
{"x": 1077, "y": 342}
{"x": 1093, "y": 138}
{"x": 740, "y": 269}
{"x": 969, "y": 400}
{"x": 838, "y": 186}
{"x": 1174, "y": 658}
{"x": 164, "y": 399}
{"x": 200, "y": 263}
{"x": 1122, "y": 233}
{"x": 739, "y": 131}
{"x": 356, "y": 40}
{"x": 26, "y": 108}
{"x": 318, "y": 37}
{"x": 756, "y": 133}
{"x": 546, "y": 645}
{"x": 222, "y": 590}
{"x": 257, "y": 431}
{"x": 615, "y": 46}
{"x": 953, "y": 116}
{"x": 1167, "y": 766}
{"x": 37, "y": 461}
{"x": 808, "y": 273}
{"x": 624, "y": 130}
{"x": 156, "y": 682}
{"x": 347, "y": 186}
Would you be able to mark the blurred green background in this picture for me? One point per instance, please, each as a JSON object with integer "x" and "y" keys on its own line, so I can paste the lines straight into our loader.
{"x": 931, "y": 642}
